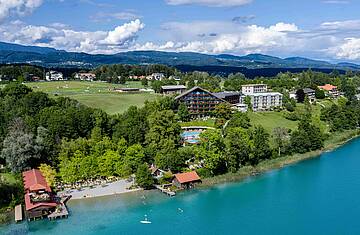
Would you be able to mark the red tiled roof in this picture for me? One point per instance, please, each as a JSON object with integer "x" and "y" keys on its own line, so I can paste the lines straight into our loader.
{"x": 187, "y": 177}
{"x": 328, "y": 87}
{"x": 30, "y": 205}
{"x": 34, "y": 181}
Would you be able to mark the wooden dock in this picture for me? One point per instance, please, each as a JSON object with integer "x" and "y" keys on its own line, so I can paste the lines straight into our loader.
{"x": 18, "y": 213}
{"x": 165, "y": 190}
{"x": 62, "y": 211}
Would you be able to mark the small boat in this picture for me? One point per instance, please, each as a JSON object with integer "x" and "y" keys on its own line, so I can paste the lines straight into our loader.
{"x": 145, "y": 221}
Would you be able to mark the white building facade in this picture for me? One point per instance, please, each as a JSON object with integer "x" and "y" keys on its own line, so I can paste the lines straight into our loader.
{"x": 254, "y": 88}
{"x": 54, "y": 76}
{"x": 261, "y": 98}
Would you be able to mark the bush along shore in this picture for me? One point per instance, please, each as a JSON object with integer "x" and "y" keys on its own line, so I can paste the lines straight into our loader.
{"x": 337, "y": 140}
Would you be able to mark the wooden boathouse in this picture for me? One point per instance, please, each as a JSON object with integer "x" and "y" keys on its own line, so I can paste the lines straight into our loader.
{"x": 40, "y": 201}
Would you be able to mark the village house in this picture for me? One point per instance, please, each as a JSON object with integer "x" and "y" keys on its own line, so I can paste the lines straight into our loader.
{"x": 156, "y": 172}
{"x": 186, "y": 180}
{"x": 54, "y": 76}
{"x": 85, "y": 76}
{"x": 173, "y": 89}
{"x": 330, "y": 90}
{"x": 156, "y": 77}
{"x": 310, "y": 93}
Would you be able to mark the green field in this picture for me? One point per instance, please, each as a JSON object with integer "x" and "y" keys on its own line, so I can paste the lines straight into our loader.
{"x": 96, "y": 94}
{"x": 271, "y": 120}
{"x": 210, "y": 122}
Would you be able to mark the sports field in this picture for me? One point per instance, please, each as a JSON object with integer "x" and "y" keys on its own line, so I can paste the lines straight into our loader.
{"x": 96, "y": 94}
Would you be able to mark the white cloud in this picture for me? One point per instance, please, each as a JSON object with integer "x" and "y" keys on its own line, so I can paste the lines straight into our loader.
{"x": 336, "y": 2}
{"x": 123, "y": 33}
{"x": 211, "y": 3}
{"x": 349, "y": 49}
{"x": 341, "y": 25}
{"x": 125, "y": 15}
{"x": 17, "y": 7}
{"x": 68, "y": 39}
{"x": 229, "y": 37}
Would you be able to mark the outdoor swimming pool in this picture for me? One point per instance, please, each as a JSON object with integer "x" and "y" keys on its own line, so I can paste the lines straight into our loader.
{"x": 191, "y": 137}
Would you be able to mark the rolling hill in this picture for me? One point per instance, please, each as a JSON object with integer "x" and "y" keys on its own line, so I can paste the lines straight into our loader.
{"x": 49, "y": 57}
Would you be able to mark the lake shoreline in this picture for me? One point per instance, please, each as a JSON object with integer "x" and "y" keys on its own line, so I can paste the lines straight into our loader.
{"x": 246, "y": 172}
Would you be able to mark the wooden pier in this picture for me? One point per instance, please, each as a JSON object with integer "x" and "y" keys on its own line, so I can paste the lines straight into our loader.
{"x": 165, "y": 190}
{"x": 18, "y": 213}
{"x": 61, "y": 211}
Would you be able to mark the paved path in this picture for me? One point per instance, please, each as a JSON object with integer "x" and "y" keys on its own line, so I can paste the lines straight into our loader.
{"x": 117, "y": 187}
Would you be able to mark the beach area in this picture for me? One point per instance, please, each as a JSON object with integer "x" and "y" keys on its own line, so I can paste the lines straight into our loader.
{"x": 113, "y": 188}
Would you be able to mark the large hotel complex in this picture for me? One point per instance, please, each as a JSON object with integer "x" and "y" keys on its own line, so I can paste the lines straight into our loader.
{"x": 201, "y": 102}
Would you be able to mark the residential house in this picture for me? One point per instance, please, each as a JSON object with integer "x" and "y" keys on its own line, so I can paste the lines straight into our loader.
{"x": 310, "y": 93}
{"x": 54, "y": 76}
{"x": 292, "y": 95}
{"x": 85, "y": 76}
{"x": 186, "y": 180}
{"x": 156, "y": 77}
{"x": 199, "y": 101}
{"x": 173, "y": 89}
{"x": 330, "y": 90}
{"x": 156, "y": 172}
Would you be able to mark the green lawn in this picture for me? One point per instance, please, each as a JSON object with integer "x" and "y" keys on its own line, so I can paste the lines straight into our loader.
{"x": 199, "y": 122}
{"x": 113, "y": 103}
{"x": 96, "y": 94}
{"x": 271, "y": 120}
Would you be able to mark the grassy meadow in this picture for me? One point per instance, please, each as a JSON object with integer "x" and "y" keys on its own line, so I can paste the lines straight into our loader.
{"x": 96, "y": 94}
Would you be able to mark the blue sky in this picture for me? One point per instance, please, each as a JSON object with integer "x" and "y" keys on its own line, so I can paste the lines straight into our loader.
{"x": 321, "y": 29}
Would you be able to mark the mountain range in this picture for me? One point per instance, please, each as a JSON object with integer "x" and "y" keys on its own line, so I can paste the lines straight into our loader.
{"x": 49, "y": 57}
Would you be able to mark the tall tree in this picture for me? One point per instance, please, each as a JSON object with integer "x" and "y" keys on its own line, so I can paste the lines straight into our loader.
{"x": 183, "y": 112}
{"x": 238, "y": 148}
{"x": 19, "y": 147}
{"x": 280, "y": 136}
{"x": 143, "y": 177}
{"x": 261, "y": 147}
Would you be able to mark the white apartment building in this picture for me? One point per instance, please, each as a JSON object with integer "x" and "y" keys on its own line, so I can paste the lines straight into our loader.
{"x": 253, "y": 88}
{"x": 264, "y": 101}
{"x": 261, "y": 99}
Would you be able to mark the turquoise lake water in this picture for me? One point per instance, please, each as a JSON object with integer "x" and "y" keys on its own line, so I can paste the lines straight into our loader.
{"x": 318, "y": 196}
